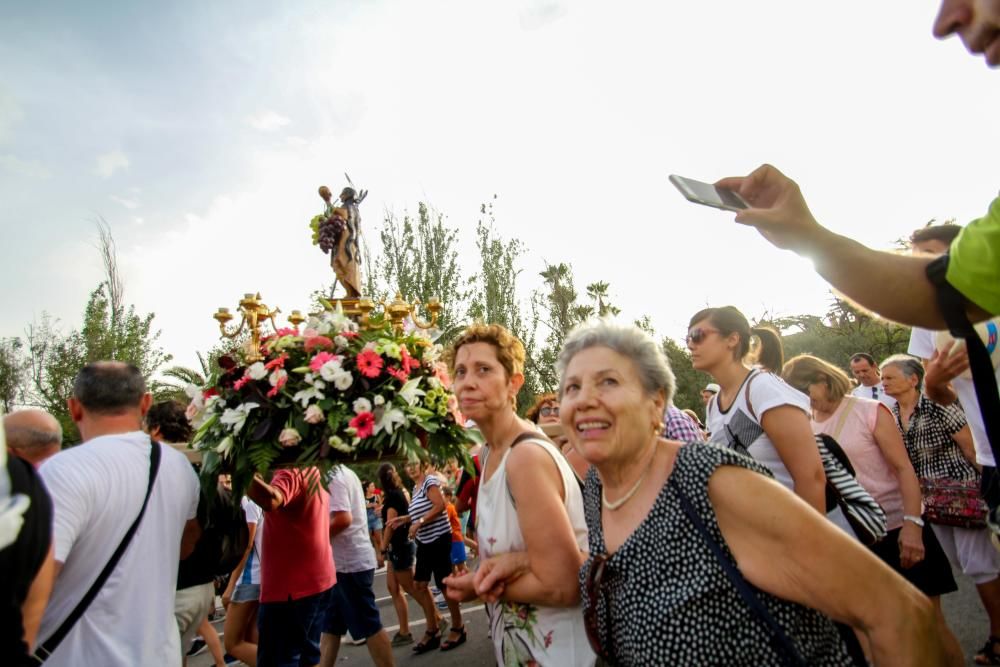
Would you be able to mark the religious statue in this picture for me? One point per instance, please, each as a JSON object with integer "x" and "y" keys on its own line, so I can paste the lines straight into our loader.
{"x": 337, "y": 231}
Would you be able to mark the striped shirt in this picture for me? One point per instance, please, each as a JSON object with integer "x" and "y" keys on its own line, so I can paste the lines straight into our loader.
{"x": 420, "y": 505}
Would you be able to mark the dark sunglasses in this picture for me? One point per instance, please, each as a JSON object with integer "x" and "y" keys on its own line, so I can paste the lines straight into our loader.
{"x": 592, "y": 589}
{"x": 546, "y": 411}
{"x": 699, "y": 334}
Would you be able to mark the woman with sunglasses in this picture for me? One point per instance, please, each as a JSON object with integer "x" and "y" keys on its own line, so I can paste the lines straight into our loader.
{"x": 696, "y": 556}
{"x": 530, "y": 526}
{"x": 546, "y": 411}
{"x": 755, "y": 413}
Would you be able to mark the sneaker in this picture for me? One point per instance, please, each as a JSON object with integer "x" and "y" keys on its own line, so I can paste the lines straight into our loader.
{"x": 399, "y": 639}
{"x": 197, "y": 646}
{"x": 230, "y": 660}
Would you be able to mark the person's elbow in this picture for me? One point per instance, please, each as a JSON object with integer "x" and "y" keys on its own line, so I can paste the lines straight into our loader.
{"x": 565, "y": 593}
{"x": 190, "y": 537}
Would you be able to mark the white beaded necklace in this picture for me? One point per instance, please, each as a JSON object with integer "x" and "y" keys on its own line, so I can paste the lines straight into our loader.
{"x": 635, "y": 487}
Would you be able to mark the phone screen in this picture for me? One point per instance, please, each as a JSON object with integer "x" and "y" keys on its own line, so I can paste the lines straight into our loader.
{"x": 708, "y": 194}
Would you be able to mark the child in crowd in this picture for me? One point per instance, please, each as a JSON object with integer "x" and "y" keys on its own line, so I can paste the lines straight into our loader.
{"x": 458, "y": 556}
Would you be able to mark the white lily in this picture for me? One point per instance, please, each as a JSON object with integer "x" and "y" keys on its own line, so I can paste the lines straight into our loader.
{"x": 235, "y": 418}
{"x": 225, "y": 446}
{"x": 411, "y": 391}
{"x": 390, "y": 419}
{"x": 303, "y": 396}
{"x": 256, "y": 371}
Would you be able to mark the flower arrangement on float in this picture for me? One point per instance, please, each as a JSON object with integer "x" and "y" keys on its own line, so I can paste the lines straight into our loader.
{"x": 334, "y": 392}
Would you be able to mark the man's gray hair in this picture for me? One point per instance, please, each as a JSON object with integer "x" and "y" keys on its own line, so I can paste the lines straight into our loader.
{"x": 627, "y": 340}
{"x": 908, "y": 366}
{"x": 109, "y": 387}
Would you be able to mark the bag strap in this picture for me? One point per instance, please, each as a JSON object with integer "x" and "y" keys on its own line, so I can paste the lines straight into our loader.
{"x": 845, "y": 412}
{"x": 746, "y": 394}
{"x": 530, "y": 435}
{"x": 780, "y": 641}
{"x": 45, "y": 650}
{"x": 951, "y": 302}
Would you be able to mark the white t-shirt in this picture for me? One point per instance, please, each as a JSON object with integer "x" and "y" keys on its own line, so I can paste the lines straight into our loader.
{"x": 97, "y": 490}
{"x": 352, "y": 548}
{"x": 255, "y": 515}
{"x": 922, "y": 345}
{"x": 739, "y": 430}
{"x": 878, "y": 394}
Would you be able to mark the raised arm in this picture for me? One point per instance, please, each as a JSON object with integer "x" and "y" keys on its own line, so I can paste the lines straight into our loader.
{"x": 265, "y": 495}
{"x": 784, "y": 548}
{"x": 892, "y": 285}
{"x": 788, "y": 428}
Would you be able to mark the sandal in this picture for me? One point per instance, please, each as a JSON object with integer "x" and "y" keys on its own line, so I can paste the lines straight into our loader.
{"x": 430, "y": 642}
{"x": 401, "y": 639}
{"x": 448, "y": 644}
{"x": 989, "y": 655}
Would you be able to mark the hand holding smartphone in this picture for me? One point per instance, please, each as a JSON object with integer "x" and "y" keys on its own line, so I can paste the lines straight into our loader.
{"x": 707, "y": 194}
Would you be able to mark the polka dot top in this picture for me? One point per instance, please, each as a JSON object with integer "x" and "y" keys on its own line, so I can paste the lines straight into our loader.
{"x": 664, "y": 598}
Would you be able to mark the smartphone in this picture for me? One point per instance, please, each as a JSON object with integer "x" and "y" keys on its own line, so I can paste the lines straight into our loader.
{"x": 708, "y": 195}
{"x": 552, "y": 430}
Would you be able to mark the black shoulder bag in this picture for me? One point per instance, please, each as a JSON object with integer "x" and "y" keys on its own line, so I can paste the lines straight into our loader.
{"x": 43, "y": 652}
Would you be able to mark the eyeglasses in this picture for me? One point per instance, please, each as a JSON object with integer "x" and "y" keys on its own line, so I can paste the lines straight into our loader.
{"x": 592, "y": 589}
{"x": 549, "y": 411}
{"x": 699, "y": 334}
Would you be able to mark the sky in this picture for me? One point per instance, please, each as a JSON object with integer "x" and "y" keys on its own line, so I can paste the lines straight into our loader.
{"x": 200, "y": 132}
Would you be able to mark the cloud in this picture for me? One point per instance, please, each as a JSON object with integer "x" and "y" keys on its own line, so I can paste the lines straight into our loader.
{"x": 268, "y": 121}
{"x": 30, "y": 168}
{"x": 109, "y": 163}
{"x": 138, "y": 220}
{"x": 540, "y": 14}
{"x": 127, "y": 203}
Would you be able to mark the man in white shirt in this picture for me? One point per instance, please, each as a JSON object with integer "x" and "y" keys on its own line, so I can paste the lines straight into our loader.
{"x": 352, "y": 606}
{"x": 97, "y": 491}
{"x": 866, "y": 372}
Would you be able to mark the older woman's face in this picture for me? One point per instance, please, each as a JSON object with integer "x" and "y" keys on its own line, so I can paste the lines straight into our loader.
{"x": 549, "y": 413}
{"x": 895, "y": 382}
{"x": 606, "y": 412}
{"x": 481, "y": 384}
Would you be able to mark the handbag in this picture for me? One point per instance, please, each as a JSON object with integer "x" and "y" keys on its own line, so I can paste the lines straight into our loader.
{"x": 953, "y": 502}
{"x": 865, "y": 516}
{"x": 44, "y": 651}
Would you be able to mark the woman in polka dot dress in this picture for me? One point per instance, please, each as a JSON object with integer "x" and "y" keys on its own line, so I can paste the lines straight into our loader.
{"x": 697, "y": 557}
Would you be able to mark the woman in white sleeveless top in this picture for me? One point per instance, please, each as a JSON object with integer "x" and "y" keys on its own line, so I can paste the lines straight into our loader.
{"x": 530, "y": 526}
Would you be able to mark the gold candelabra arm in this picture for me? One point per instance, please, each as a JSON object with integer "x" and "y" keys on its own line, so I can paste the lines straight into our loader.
{"x": 433, "y": 306}
{"x": 296, "y": 318}
{"x": 397, "y": 310}
{"x": 223, "y": 316}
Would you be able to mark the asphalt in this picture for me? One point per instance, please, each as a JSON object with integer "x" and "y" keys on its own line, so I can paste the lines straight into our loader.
{"x": 963, "y": 611}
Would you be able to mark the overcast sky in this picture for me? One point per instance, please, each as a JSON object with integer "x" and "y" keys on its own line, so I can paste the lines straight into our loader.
{"x": 200, "y": 132}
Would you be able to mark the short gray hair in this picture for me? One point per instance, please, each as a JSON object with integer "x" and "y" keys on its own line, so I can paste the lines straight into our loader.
{"x": 627, "y": 340}
{"x": 27, "y": 437}
{"x": 907, "y": 365}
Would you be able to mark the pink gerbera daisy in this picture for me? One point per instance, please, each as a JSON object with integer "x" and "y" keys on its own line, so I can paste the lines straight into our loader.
{"x": 363, "y": 424}
{"x": 369, "y": 363}
{"x": 317, "y": 362}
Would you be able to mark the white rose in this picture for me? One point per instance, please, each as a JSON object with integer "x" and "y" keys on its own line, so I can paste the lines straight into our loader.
{"x": 314, "y": 414}
{"x": 329, "y": 370}
{"x": 362, "y": 405}
{"x": 379, "y": 400}
{"x": 256, "y": 371}
{"x": 289, "y": 437}
{"x": 343, "y": 380}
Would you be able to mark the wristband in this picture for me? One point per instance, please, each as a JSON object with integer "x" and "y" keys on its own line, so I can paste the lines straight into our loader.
{"x": 913, "y": 519}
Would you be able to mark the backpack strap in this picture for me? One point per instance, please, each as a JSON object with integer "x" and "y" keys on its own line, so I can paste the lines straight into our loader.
{"x": 44, "y": 651}
{"x": 952, "y": 303}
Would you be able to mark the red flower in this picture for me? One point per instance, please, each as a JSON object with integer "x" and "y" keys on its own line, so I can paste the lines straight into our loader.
{"x": 407, "y": 362}
{"x": 277, "y": 362}
{"x": 349, "y": 334}
{"x": 318, "y": 342}
{"x": 226, "y": 362}
{"x": 398, "y": 373}
{"x": 363, "y": 424}
{"x": 211, "y": 391}
{"x": 277, "y": 387}
{"x": 369, "y": 363}
{"x": 239, "y": 384}
{"x": 286, "y": 331}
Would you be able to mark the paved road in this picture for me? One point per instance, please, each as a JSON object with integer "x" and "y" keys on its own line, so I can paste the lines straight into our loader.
{"x": 962, "y": 609}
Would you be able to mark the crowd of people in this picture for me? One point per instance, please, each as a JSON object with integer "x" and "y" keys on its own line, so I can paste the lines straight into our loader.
{"x": 607, "y": 525}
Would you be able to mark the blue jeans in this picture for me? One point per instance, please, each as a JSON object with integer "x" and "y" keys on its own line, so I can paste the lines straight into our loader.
{"x": 289, "y": 631}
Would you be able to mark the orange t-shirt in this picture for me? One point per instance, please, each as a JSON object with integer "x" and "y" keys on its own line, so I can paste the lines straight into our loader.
{"x": 456, "y": 525}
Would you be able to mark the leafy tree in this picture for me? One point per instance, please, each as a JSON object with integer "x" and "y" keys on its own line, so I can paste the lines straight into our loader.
{"x": 110, "y": 331}
{"x": 689, "y": 381}
{"x": 12, "y": 372}
{"x": 495, "y": 299}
